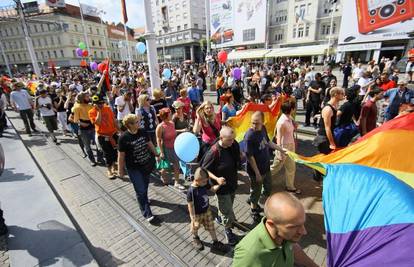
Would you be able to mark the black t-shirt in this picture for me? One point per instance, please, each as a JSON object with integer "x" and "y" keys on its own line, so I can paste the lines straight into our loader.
{"x": 348, "y": 111}
{"x": 223, "y": 162}
{"x": 61, "y": 107}
{"x": 237, "y": 94}
{"x": 257, "y": 145}
{"x": 159, "y": 104}
{"x": 199, "y": 196}
{"x": 316, "y": 97}
{"x": 136, "y": 149}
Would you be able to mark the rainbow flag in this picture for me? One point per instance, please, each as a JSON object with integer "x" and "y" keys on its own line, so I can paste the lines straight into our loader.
{"x": 242, "y": 122}
{"x": 32, "y": 86}
{"x": 368, "y": 197}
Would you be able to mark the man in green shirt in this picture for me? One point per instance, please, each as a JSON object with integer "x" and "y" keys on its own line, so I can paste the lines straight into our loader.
{"x": 273, "y": 241}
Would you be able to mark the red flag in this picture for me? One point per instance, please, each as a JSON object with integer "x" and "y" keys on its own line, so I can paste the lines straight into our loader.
{"x": 106, "y": 87}
{"x": 124, "y": 12}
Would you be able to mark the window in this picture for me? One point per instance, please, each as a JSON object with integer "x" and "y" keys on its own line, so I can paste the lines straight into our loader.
{"x": 39, "y": 42}
{"x": 74, "y": 53}
{"x": 59, "y": 40}
{"x": 102, "y": 54}
{"x": 294, "y": 32}
{"x": 185, "y": 26}
{"x": 35, "y": 28}
{"x": 94, "y": 54}
{"x": 43, "y": 55}
{"x": 178, "y": 17}
{"x": 184, "y": 4}
{"x": 333, "y": 28}
{"x": 196, "y": 25}
{"x": 42, "y": 29}
{"x": 307, "y": 30}
{"x": 159, "y": 32}
{"x": 76, "y": 27}
{"x": 21, "y": 44}
{"x": 11, "y": 33}
{"x": 93, "y": 42}
{"x": 48, "y": 54}
{"x": 6, "y": 31}
{"x": 48, "y": 27}
{"x": 8, "y": 57}
{"x": 308, "y": 8}
{"x": 62, "y": 54}
{"x": 20, "y": 58}
{"x": 178, "y": 28}
{"x": 90, "y": 29}
{"x": 52, "y": 41}
{"x": 99, "y": 43}
{"x": 113, "y": 55}
{"x": 46, "y": 43}
{"x": 249, "y": 34}
{"x": 185, "y": 15}
{"x": 54, "y": 53}
{"x": 97, "y": 31}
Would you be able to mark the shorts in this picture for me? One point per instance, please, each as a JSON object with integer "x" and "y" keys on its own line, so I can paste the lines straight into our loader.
{"x": 170, "y": 155}
{"x": 51, "y": 123}
{"x": 205, "y": 219}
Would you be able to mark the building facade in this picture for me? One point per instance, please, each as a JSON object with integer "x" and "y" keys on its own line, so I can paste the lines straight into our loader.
{"x": 180, "y": 26}
{"x": 55, "y": 34}
{"x": 117, "y": 48}
{"x": 305, "y": 23}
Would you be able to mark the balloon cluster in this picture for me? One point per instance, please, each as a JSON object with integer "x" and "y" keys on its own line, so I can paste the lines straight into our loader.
{"x": 222, "y": 56}
{"x": 81, "y": 50}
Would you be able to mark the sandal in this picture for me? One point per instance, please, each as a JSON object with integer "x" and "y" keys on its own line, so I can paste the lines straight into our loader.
{"x": 295, "y": 191}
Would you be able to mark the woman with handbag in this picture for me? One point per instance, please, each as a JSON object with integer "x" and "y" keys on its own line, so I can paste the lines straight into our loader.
{"x": 166, "y": 135}
{"x": 136, "y": 154}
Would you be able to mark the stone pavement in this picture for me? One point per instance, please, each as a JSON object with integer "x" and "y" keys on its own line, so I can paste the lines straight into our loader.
{"x": 116, "y": 233}
{"x": 40, "y": 231}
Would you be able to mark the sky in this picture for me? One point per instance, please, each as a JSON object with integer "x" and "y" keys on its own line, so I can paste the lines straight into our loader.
{"x": 135, "y": 9}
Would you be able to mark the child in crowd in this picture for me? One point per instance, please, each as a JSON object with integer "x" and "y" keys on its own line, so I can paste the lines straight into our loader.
{"x": 198, "y": 207}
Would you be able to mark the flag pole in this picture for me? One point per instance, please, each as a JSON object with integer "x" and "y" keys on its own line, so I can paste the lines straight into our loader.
{"x": 127, "y": 46}
{"x": 84, "y": 30}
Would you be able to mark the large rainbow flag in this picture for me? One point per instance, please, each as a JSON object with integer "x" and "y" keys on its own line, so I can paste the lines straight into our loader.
{"x": 368, "y": 197}
{"x": 242, "y": 122}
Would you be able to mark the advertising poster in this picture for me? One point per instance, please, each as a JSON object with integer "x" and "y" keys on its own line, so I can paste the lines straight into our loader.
{"x": 376, "y": 20}
{"x": 237, "y": 22}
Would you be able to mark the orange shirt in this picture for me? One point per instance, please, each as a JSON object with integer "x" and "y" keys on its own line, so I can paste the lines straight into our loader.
{"x": 219, "y": 82}
{"x": 107, "y": 126}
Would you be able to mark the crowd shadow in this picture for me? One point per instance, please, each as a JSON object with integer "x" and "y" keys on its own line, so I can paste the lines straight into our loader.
{"x": 9, "y": 175}
{"x": 45, "y": 244}
{"x": 316, "y": 230}
{"x": 172, "y": 216}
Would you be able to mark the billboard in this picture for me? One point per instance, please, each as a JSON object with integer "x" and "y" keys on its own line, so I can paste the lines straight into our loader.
{"x": 89, "y": 10}
{"x": 237, "y": 22}
{"x": 55, "y": 3}
{"x": 376, "y": 20}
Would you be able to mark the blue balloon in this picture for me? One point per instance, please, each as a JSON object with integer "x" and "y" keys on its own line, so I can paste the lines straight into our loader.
{"x": 166, "y": 73}
{"x": 141, "y": 47}
{"x": 186, "y": 147}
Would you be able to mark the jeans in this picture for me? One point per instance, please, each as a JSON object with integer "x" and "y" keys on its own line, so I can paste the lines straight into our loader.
{"x": 287, "y": 164}
{"x": 62, "y": 117}
{"x": 140, "y": 183}
{"x": 27, "y": 117}
{"x": 256, "y": 188}
{"x": 87, "y": 136}
{"x": 312, "y": 107}
{"x": 225, "y": 209}
{"x": 109, "y": 152}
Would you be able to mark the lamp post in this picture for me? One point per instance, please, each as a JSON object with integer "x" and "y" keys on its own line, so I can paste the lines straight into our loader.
{"x": 331, "y": 27}
{"x": 151, "y": 47}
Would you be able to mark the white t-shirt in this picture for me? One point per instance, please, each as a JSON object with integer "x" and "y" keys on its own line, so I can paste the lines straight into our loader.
{"x": 357, "y": 73}
{"x": 363, "y": 82}
{"x": 119, "y": 102}
{"x": 44, "y": 111}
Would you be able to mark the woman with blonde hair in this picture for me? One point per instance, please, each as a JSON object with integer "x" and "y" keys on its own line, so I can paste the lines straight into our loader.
{"x": 166, "y": 135}
{"x": 148, "y": 115}
{"x": 158, "y": 101}
{"x": 208, "y": 124}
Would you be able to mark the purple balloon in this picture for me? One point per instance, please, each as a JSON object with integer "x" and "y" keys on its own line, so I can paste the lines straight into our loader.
{"x": 237, "y": 73}
{"x": 94, "y": 66}
{"x": 79, "y": 52}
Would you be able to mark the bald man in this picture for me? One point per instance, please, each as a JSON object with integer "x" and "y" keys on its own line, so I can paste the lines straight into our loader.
{"x": 273, "y": 241}
{"x": 222, "y": 160}
{"x": 258, "y": 162}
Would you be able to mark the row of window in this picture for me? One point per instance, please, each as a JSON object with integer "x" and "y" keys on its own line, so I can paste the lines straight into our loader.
{"x": 326, "y": 29}
{"x": 278, "y": 37}
{"x": 17, "y": 57}
{"x": 179, "y": 37}
{"x": 301, "y": 31}
{"x": 89, "y": 29}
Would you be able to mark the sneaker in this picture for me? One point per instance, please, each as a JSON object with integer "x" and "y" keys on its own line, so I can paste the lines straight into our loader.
{"x": 151, "y": 219}
{"x": 93, "y": 163}
{"x": 197, "y": 244}
{"x": 230, "y": 237}
{"x": 179, "y": 186}
{"x": 110, "y": 175}
{"x": 219, "y": 247}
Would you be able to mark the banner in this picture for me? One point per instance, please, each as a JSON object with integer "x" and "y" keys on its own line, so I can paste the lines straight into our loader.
{"x": 124, "y": 12}
{"x": 237, "y": 22}
{"x": 376, "y": 20}
{"x": 89, "y": 10}
{"x": 55, "y": 3}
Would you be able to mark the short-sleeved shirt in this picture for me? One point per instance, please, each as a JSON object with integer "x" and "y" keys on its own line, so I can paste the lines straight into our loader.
{"x": 107, "y": 126}
{"x": 257, "y": 249}
{"x": 315, "y": 97}
{"x": 348, "y": 111}
{"x": 228, "y": 112}
{"x": 45, "y": 106}
{"x": 119, "y": 102}
{"x": 61, "y": 107}
{"x": 390, "y": 84}
{"x": 136, "y": 149}
{"x": 21, "y": 99}
{"x": 257, "y": 145}
{"x": 194, "y": 95}
{"x": 199, "y": 196}
{"x": 223, "y": 162}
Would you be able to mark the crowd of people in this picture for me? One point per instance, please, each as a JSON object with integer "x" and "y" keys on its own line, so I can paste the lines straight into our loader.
{"x": 130, "y": 128}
